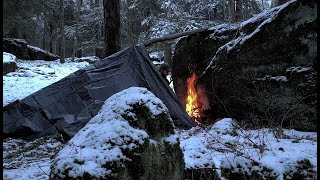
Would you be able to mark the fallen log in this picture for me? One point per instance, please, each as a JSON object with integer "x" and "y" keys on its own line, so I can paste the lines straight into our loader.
{"x": 173, "y": 36}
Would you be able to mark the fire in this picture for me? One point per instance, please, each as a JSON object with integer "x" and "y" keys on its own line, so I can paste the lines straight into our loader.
{"x": 193, "y": 105}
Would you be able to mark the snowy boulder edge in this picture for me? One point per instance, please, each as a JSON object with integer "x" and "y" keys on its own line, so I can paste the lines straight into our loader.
{"x": 131, "y": 137}
{"x": 36, "y": 53}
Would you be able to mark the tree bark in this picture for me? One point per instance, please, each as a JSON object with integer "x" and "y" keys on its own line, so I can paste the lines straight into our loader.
{"x": 62, "y": 38}
{"x": 112, "y": 26}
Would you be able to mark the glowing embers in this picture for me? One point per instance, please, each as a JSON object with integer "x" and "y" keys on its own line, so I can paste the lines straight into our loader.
{"x": 196, "y": 99}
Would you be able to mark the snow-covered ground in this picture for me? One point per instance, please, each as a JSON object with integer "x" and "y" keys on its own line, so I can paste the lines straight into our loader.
{"x": 32, "y": 76}
{"x": 223, "y": 145}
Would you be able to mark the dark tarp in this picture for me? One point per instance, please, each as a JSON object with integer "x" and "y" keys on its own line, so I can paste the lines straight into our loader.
{"x": 67, "y": 105}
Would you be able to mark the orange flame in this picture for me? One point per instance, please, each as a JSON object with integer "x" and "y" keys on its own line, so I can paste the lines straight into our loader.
{"x": 193, "y": 107}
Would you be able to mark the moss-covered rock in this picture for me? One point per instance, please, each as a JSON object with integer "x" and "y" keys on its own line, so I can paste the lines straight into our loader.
{"x": 132, "y": 137}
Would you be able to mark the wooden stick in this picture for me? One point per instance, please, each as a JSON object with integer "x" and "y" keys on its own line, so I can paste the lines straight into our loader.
{"x": 173, "y": 36}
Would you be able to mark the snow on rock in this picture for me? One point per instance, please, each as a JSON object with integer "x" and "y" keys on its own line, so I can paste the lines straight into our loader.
{"x": 226, "y": 125}
{"x": 157, "y": 55}
{"x": 7, "y": 57}
{"x": 89, "y": 59}
{"x": 9, "y": 63}
{"x": 118, "y": 135}
{"x": 266, "y": 14}
{"x": 37, "y": 53}
{"x": 299, "y": 69}
{"x": 32, "y": 76}
{"x": 243, "y": 34}
{"x": 261, "y": 154}
{"x": 37, "y": 49}
{"x": 275, "y": 78}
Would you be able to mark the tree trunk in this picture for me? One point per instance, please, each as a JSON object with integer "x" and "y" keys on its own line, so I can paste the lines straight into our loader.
{"x": 44, "y": 36}
{"x": 231, "y": 11}
{"x": 50, "y": 43}
{"x": 75, "y": 45}
{"x": 112, "y": 26}
{"x": 239, "y": 11}
{"x": 62, "y": 39}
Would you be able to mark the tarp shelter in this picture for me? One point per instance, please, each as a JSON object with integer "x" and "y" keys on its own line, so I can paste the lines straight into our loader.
{"x": 67, "y": 105}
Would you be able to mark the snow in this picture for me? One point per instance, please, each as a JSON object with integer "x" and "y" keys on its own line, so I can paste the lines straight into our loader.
{"x": 89, "y": 59}
{"x": 157, "y": 54}
{"x": 32, "y": 76}
{"x": 275, "y": 78}
{"x": 8, "y": 58}
{"x": 226, "y": 145}
{"x": 35, "y": 170}
{"x": 299, "y": 69}
{"x": 172, "y": 139}
{"x": 106, "y": 137}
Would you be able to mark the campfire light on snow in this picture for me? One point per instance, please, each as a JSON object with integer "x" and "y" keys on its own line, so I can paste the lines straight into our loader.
{"x": 196, "y": 102}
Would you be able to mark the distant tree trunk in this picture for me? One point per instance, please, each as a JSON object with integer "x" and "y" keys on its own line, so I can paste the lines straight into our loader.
{"x": 239, "y": 10}
{"x": 224, "y": 9}
{"x": 62, "y": 38}
{"x": 50, "y": 43}
{"x": 75, "y": 45}
{"x": 44, "y": 36}
{"x": 231, "y": 11}
{"x": 112, "y": 26}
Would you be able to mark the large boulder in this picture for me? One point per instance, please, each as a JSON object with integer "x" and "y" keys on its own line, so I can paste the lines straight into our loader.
{"x": 132, "y": 137}
{"x": 18, "y": 47}
{"x": 22, "y": 50}
{"x": 261, "y": 71}
{"x": 9, "y": 63}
